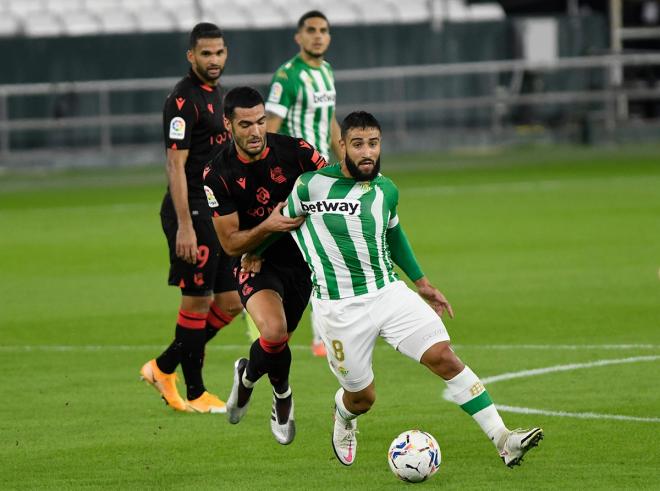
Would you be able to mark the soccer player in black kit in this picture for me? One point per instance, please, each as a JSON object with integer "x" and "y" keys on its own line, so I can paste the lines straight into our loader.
{"x": 249, "y": 181}
{"x": 194, "y": 133}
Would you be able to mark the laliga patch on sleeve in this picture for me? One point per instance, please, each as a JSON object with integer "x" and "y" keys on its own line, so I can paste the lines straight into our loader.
{"x": 275, "y": 93}
{"x": 210, "y": 197}
{"x": 177, "y": 128}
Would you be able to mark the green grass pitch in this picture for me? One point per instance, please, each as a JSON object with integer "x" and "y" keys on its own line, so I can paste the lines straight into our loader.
{"x": 550, "y": 257}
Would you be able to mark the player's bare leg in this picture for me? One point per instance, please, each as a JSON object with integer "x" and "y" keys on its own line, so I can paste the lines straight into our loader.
{"x": 468, "y": 392}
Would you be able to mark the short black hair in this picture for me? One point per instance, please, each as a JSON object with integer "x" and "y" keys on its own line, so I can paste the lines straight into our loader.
{"x": 311, "y": 15}
{"x": 246, "y": 97}
{"x": 204, "y": 30}
{"x": 358, "y": 119}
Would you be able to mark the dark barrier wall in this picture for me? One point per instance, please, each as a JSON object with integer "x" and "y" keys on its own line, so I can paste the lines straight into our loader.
{"x": 160, "y": 55}
{"x": 163, "y": 55}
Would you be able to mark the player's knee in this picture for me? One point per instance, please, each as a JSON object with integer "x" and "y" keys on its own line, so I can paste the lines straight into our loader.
{"x": 231, "y": 308}
{"x": 196, "y": 304}
{"x": 272, "y": 330}
{"x": 442, "y": 360}
{"x": 229, "y": 303}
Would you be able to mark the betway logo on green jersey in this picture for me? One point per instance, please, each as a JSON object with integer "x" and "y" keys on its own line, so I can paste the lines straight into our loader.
{"x": 324, "y": 98}
{"x": 341, "y": 206}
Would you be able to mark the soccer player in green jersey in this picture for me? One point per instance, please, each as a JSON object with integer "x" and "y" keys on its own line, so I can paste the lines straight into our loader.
{"x": 301, "y": 100}
{"x": 351, "y": 239}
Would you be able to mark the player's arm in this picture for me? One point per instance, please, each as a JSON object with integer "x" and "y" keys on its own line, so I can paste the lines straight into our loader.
{"x": 279, "y": 101}
{"x": 273, "y": 122}
{"x": 236, "y": 242}
{"x": 186, "y": 239}
{"x": 251, "y": 261}
{"x": 402, "y": 254}
{"x": 404, "y": 257}
{"x": 178, "y": 120}
{"x": 335, "y": 136}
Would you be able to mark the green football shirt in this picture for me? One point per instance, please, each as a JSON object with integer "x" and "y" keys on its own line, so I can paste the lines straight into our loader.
{"x": 304, "y": 97}
{"x": 344, "y": 237}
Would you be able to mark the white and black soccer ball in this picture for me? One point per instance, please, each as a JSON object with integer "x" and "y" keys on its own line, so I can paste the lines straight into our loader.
{"x": 414, "y": 456}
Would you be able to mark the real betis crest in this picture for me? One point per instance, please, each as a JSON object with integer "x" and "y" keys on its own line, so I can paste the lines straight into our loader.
{"x": 365, "y": 186}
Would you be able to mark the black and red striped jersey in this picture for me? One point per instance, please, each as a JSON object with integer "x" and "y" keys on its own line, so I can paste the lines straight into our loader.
{"x": 193, "y": 121}
{"x": 253, "y": 189}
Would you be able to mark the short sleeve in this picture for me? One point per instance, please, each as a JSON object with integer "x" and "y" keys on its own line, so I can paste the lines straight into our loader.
{"x": 293, "y": 206}
{"x": 217, "y": 192}
{"x": 281, "y": 94}
{"x": 179, "y": 117}
{"x": 310, "y": 159}
{"x": 392, "y": 197}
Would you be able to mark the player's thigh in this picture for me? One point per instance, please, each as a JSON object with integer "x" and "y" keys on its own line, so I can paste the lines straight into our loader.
{"x": 297, "y": 290}
{"x": 266, "y": 309}
{"x": 194, "y": 279}
{"x": 406, "y": 321}
{"x": 349, "y": 335}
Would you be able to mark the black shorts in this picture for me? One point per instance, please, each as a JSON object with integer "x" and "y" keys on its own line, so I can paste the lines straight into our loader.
{"x": 293, "y": 284}
{"x": 213, "y": 271}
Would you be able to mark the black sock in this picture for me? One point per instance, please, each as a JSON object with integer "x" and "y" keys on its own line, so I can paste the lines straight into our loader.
{"x": 280, "y": 365}
{"x": 171, "y": 357}
{"x": 192, "y": 353}
{"x": 257, "y": 364}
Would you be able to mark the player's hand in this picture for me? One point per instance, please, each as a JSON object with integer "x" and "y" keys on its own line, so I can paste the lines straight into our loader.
{"x": 432, "y": 295}
{"x": 251, "y": 263}
{"x": 276, "y": 222}
{"x": 186, "y": 243}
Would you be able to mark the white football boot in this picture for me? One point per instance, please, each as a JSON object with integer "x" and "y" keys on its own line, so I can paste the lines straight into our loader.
{"x": 518, "y": 443}
{"x": 344, "y": 441}
{"x": 235, "y": 413}
{"x": 283, "y": 428}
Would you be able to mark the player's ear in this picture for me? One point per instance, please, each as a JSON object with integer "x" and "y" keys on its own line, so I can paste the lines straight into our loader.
{"x": 296, "y": 37}
{"x": 227, "y": 124}
{"x": 189, "y": 56}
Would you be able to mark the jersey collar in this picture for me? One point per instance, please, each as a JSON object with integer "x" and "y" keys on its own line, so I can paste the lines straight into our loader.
{"x": 263, "y": 155}
{"x": 198, "y": 81}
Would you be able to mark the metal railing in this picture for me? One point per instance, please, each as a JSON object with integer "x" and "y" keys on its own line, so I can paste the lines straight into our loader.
{"x": 498, "y": 101}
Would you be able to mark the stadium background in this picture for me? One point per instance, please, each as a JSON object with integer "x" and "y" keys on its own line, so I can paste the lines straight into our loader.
{"x": 524, "y": 138}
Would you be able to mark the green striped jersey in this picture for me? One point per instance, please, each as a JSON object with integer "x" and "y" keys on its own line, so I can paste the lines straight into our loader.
{"x": 304, "y": 97}
{"x": 343, "y": 238}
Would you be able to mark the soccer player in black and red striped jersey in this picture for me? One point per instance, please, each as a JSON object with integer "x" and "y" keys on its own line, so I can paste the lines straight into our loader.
{"x": 248, "y": 181}
{"x": 194, "y": 133}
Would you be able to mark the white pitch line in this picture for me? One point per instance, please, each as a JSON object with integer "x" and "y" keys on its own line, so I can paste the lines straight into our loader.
{"x": 566, "y": 414}
{"x": 564, "y": 368}
{"x": 230, "y": 347}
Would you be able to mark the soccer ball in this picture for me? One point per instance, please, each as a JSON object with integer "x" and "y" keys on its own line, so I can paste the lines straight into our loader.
{"x": 414, "y": 456}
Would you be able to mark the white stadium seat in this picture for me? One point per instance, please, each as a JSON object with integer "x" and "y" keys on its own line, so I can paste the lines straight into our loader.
{"x": 102, "y": 6}
{"x": 42, "y": 24}
{"x": 78, "y": 17}
{"x": 154, "y": 21}
{"x": 59, "y": 6}
{"x": 80, "y": 23}
{"x": 117, "y": 21}
{"x": 228, "y": 15}
{"x": 342, "y": 13}
{"x": 26, "y": 6}
{"x": 9, "y": 25}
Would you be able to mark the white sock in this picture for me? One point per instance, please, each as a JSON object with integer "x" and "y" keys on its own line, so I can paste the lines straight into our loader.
{"x": 468, "y": 392}
{"x": 342, "y": 412}
{"x": 247, "y": 383}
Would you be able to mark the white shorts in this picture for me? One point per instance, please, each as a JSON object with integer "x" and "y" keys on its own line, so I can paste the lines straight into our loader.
{"x": 350, "y": 326}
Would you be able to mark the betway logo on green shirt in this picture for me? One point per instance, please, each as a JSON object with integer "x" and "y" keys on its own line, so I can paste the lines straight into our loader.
{"x": 341, "y": 206}
{"x": 324, "y": 99}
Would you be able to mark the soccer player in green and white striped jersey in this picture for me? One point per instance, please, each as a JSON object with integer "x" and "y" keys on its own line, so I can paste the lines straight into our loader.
{"x": 301, "y": 99}
{"x": 351, "y": 239}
